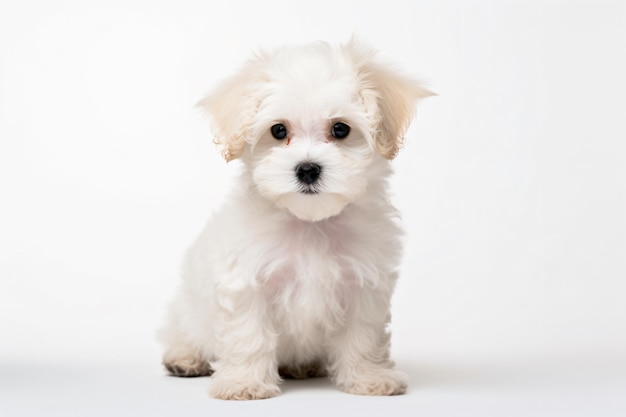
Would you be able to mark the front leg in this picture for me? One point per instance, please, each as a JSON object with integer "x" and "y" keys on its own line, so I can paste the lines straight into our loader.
{"x": 246, "y": 368}
{"x": 359, "y": 353}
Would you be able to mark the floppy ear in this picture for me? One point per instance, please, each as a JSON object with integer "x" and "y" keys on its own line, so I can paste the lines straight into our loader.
{"x": 389, "y": 97}
{"x": 231, "y": 107}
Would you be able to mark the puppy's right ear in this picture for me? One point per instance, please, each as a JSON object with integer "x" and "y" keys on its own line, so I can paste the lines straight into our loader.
{"x": 232, "y": 107}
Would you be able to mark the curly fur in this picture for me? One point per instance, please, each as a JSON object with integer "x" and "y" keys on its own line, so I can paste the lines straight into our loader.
{"x": 286, "y": 279}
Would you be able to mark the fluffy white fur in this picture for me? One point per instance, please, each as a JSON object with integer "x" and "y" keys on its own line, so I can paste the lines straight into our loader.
{"x": 286, "y": 280}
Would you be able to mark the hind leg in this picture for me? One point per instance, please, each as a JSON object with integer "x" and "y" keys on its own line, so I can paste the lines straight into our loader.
{"x": 182, "y": 358}
{"x": 186, "y": 353}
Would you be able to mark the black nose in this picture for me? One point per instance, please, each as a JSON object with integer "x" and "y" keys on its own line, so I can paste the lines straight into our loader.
{"x": 308, "y": 172}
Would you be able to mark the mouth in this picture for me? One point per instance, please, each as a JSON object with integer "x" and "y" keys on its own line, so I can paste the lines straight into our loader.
{"x": 309, "y": 190}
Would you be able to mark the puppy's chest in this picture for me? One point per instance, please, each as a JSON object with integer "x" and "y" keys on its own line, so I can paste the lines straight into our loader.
{"x": 308, "y": 295}
{"x": 309, "y": 270}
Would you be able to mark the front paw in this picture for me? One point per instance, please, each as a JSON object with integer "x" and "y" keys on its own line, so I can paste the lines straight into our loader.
{"x": 242, "y": 389}
{"x": 376, "y": 382}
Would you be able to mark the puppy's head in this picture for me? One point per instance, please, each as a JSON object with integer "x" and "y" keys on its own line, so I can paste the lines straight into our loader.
{"x": 313, "y": 123}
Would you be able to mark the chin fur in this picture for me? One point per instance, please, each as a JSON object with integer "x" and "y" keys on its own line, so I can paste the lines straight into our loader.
{"x": 313, "y": 207}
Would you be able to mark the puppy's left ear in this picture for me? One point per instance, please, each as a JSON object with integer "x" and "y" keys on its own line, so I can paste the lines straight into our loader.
{"x": 232, "y": 107}
{"x": 390, "y": 99}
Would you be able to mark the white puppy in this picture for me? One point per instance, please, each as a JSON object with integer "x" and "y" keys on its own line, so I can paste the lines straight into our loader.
{"x": 293, "y": 277}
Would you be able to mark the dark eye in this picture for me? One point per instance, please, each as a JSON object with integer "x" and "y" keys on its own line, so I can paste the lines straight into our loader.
{"x": 340, "y": 130}
{"x": 279, "y": 131}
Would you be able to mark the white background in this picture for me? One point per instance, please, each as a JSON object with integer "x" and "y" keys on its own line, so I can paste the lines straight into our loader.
{"x": 512, "y": 187}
